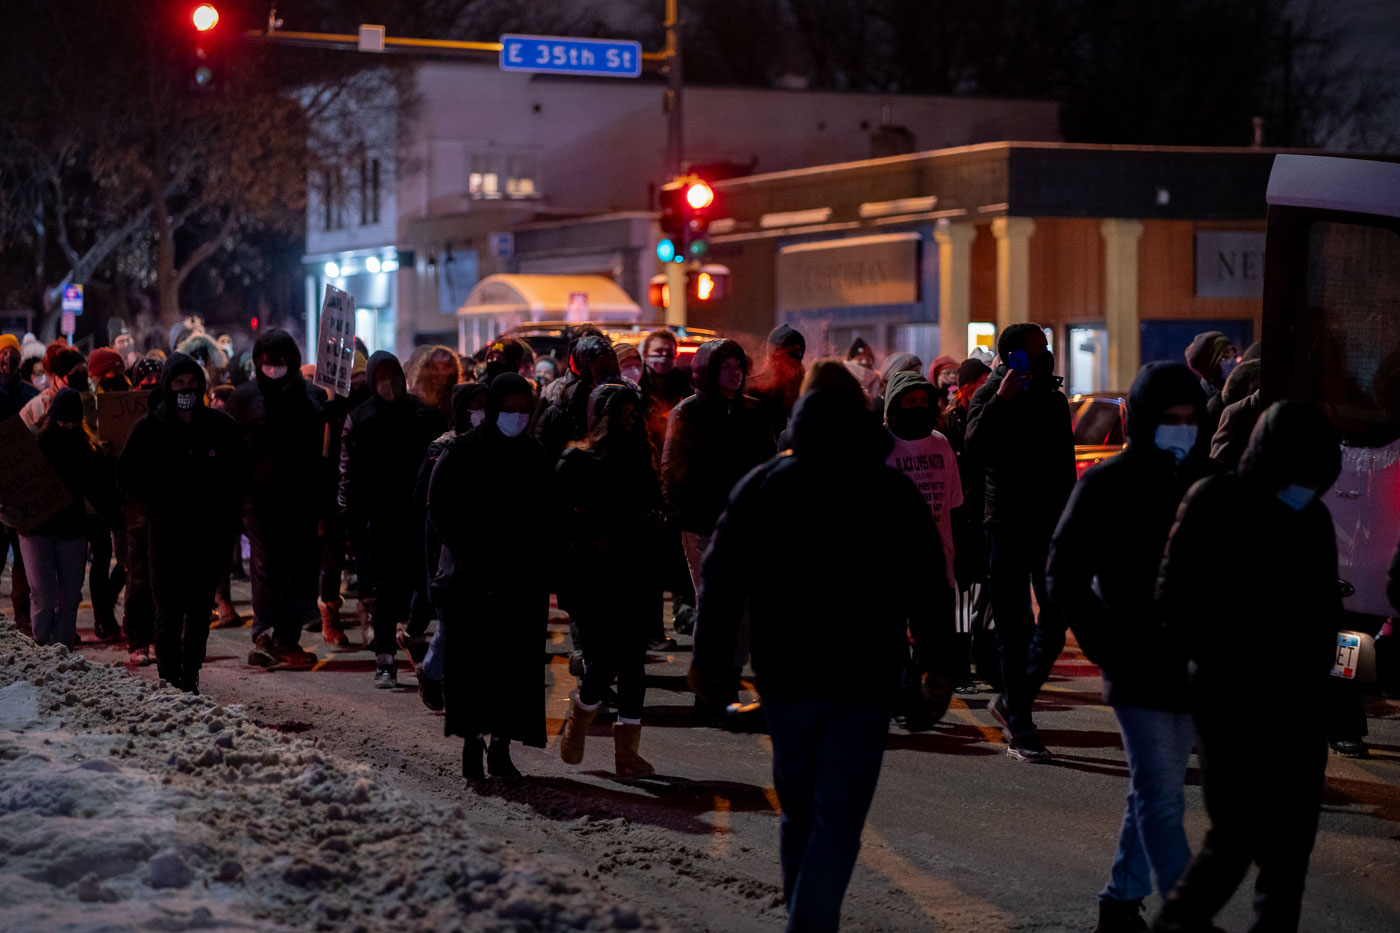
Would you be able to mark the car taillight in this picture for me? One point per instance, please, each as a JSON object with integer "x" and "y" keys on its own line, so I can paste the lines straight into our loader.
{"x": 1081, "y": 465}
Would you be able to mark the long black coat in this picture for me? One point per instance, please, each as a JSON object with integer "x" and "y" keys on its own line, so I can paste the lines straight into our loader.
{"x": 496, "y": 601}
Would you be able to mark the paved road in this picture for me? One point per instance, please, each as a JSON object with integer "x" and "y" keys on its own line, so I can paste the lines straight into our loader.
{"x": 960, "y": 838}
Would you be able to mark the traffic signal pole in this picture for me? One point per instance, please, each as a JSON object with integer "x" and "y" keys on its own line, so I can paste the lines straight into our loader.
{"x": 675, "y": 150}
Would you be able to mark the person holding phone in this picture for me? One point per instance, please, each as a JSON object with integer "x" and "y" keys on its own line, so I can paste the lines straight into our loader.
{"x": 1018, "y": 428}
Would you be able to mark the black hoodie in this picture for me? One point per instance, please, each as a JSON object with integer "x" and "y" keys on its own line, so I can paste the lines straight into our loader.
{"x": 711, "y": 442}
{"x": 382, "y": 448}
{"x": 1108, "y": 546}
{"x": 184, "y": 473}
{"x": 821, "y": 628}
{"x": 1248, "y": 584}
{"x": 284, "y": 423}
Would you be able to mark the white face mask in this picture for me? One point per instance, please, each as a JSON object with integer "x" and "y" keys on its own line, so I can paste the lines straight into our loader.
{"x": 477, "y": 417}
{"x": 634, "y": 373}
{"x": 660, "y": 364}
{"x": 512, "y": 424}
{"x": 274, "y": 372}
{"x": 1177, "y": 438}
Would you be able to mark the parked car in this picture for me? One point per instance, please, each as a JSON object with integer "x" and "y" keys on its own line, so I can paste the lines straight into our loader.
{"x": 1100, "y": 422}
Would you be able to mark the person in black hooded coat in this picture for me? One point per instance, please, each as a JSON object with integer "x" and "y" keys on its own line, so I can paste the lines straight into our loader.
{"x": 282, "y": 419}
{"x": 381, "y": 450}
{"x": 566, "y": 421}
{"x": 827, "y": 653}
{"x": 187, "y": 466}
{"x": 1254, "y": 554}
{"x": 1105, "y": 586}
{"x": 495, "y": 601}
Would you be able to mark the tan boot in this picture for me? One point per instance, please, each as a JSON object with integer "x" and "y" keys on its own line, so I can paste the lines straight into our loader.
{"x": 331, "y": 632}
{"x": 627, "y": 738}
{"x": 576, "y": 726}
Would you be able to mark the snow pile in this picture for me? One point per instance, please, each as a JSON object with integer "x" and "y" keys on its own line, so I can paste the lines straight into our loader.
{"x": 128, "y": 805}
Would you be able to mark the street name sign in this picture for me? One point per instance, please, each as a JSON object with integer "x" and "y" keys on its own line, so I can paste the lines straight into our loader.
{"x": 73, "y": 299}
{"x": 603, "y": 58}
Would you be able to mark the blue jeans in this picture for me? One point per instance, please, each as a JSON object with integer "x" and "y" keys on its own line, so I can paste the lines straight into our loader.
{"x": 826, "y": 762}
{"x": 55, "y": 568}
{"x": 1152, "y": 841}
{"x": 432, "y": 661}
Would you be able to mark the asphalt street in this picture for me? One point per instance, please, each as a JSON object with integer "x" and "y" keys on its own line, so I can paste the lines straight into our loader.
{"x": 960, "y": 837}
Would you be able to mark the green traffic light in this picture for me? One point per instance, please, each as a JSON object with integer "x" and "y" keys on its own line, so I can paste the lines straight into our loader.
{"x": 665, "y": 250}
{"x": 699, "y": 248}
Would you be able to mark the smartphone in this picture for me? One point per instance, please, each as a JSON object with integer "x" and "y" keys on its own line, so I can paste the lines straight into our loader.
{"x": 1019, "y": 361}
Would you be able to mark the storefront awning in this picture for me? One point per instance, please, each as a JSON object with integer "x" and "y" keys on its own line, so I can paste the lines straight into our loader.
{"x": 550, "y": 298}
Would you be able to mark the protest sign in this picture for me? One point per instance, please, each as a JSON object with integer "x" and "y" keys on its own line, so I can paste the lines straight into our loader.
{"x": 116, "y": 413}
{"x": 335, "y": 349}
{"x": 30, "y": 490}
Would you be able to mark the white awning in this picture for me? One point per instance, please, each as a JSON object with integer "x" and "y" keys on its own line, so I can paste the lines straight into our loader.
{"x": 534, "y": 298}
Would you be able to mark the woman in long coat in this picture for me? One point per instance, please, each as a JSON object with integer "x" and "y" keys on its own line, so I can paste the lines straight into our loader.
{"x": 492, "y": 484}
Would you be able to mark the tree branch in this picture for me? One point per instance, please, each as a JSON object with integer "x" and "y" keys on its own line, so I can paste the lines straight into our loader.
{"x": 207, "y": 248}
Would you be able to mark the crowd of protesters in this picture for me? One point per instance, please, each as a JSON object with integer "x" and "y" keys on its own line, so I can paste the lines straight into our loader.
{"x": 971, "y": 547}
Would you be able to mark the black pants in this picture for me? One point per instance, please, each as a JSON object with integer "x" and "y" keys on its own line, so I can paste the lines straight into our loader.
{"x": 1016, "y": 558}
{"x": 1262, "y": 777}
{"x": 388, "y": 553}
{"x": 284, "y": 550}
{"x": 615, "y": 648}
{"x": 19, "y": 582}
{"x": 105, "y": 582}
{"x": 332, "y": 557}
{"x": 139, "y": 612}
{"x": 420, "y": 608}
{"x": 185, "y": 564}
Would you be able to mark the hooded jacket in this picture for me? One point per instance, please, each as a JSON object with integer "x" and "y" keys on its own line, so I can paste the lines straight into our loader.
{"x": 284, "y": 422}
{"x": 711, "y": 442}
{"x": 1107, "y": 549}
{"x": 1249, "y": 585}
{"x": 184, "y": 473}
{"x": 567, "y": 420}
{"x": 381, "y": 450}
{"x": 1026, "y": 448}
{"x": 803, "y": 574}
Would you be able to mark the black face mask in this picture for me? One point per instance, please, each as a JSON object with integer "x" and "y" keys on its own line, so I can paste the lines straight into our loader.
{"x": 114, "y": 384}
{"x": 185, "y": 401}
{"x": 496, "y": 368}
{"x": 1043, "y": 371}
{"x": 912, "y": 424}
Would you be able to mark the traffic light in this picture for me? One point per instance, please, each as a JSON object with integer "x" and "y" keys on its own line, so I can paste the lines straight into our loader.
{"x": 705, "y": 285}
{"x": 687, "y": 205}
{"x": 204, "y": 58}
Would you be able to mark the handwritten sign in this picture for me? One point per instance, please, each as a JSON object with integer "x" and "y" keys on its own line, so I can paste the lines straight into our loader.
{"x": 30, "y": 490}
{"x": 335, "y": 349}
{"x": 116, "y": 413}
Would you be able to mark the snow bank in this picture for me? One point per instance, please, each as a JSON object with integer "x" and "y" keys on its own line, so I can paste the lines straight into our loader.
{"x": 125, "y": 805}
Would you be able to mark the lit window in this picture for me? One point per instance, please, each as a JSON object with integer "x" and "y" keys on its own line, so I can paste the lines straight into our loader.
{"x": 485, "y": 178}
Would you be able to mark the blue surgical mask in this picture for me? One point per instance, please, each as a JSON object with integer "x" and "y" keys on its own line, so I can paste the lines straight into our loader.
{"x": 512, "y": 424}
{"x": 1296, "y": 498}
{"x": 1177, "y": 438}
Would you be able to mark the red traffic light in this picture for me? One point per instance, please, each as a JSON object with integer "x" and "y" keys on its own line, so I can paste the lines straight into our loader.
{"x": 205, "y": 17}
{"x": 699, "y": 195}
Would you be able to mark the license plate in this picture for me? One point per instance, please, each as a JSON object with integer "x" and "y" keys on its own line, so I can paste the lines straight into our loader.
{"x": 1348, "y": 651}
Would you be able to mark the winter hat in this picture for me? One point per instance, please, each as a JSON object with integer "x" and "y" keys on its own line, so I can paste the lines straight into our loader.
{"x": 65, "y": 361}
{"x": 627, "y": 351}
{"x": 31, "y": 347}
{"x": 1206, "y": 352}
{"x": 601, "y": 399}
{"x": 51, "y": 353}
{"x": 361, "y": 361}
{"x": 146, "y": 367}
{"x": 942, "y": 363}
{"x": 9, "y": 341}
{"x": 904, "y": 383}
{"x": 971, "y": 370}
{"x": 897, "y": 363}
{"x": 784, "y": 337}
{"x": 104, "y": 362}
{"x": 179, "y": 333}
{"x": 67, "y": 406}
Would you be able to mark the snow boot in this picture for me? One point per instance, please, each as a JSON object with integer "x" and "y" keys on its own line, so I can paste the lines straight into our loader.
{"x": 576, "y": 725}
{"x": 627, "y": 738}
{"x": 498, "y": 762}
{"x": 331, "y": 632}
{"x": 1120, "y": 917}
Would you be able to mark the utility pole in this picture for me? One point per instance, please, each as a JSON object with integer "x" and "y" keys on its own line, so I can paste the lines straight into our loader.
{"x": 675, "y": 149}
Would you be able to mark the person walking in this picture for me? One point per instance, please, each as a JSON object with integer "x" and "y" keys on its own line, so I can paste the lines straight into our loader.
{"x": 15, "y": 393}
{"x": 382, "y": 448}
{"x": 1262, "y": 769}
{"x": 55, "y": 553}
{"x": 283, "y": 422}
{"x": 594, "y": 363}
{"x": 1018, "y": 428}
{"x": 334, "y": 539}
{"x": 187, "y": 467}
{"x": 107, "y": 526}
{"x": 607, "y": 482}
{"x": 1212, "y": 356}
{"x": 779, "y": 384}
{"x": 828, "y": 653}
{"x": 485, "y": 502}
{"x": 1104, "y": 585}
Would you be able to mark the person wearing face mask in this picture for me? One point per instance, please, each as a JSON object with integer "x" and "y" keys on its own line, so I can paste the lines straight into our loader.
{"x": 107, "y": 527}
{"x": 485, "y": 502}
{"x": 508, "y": 355}
{"x": 713, "y": 439}
{"x": 1018, "y": 429}
{"x": 282, "y": 418}
{"x": 68, "y": 369}
{"x": 1104, "y": 585}
{"x": 629, "y": 364}
{"x": 381, "y": 450}
{"x": 595, "y": 363}
{"x": 923, "y": 454}
{"x": 1212, "y": 356}
{"x": 187, "y": 468}
{"x": 55, "y": 553}
{"x": 1262, "y": 768}
{"x": 468, "y": 412}
{"x": 333, "y": 534}
{"x": 860, "y": 360}
{"x": 605, "y": 534}
{"x": 546, "y": 371}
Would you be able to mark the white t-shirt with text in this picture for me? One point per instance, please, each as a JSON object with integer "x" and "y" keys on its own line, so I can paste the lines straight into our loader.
{"x": 932, "y": 465}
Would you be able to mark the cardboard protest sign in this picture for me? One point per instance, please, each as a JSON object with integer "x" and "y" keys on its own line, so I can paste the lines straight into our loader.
{"x": 116, "y": 413}
{"x": 335, "y": 348}
{"x": 30, "y": 490}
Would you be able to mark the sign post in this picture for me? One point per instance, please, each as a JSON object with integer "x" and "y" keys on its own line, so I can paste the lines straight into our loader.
{"x": 602, "y": 58}
{"x": 335, "y": 354}
{"x": 71, "y": 307}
